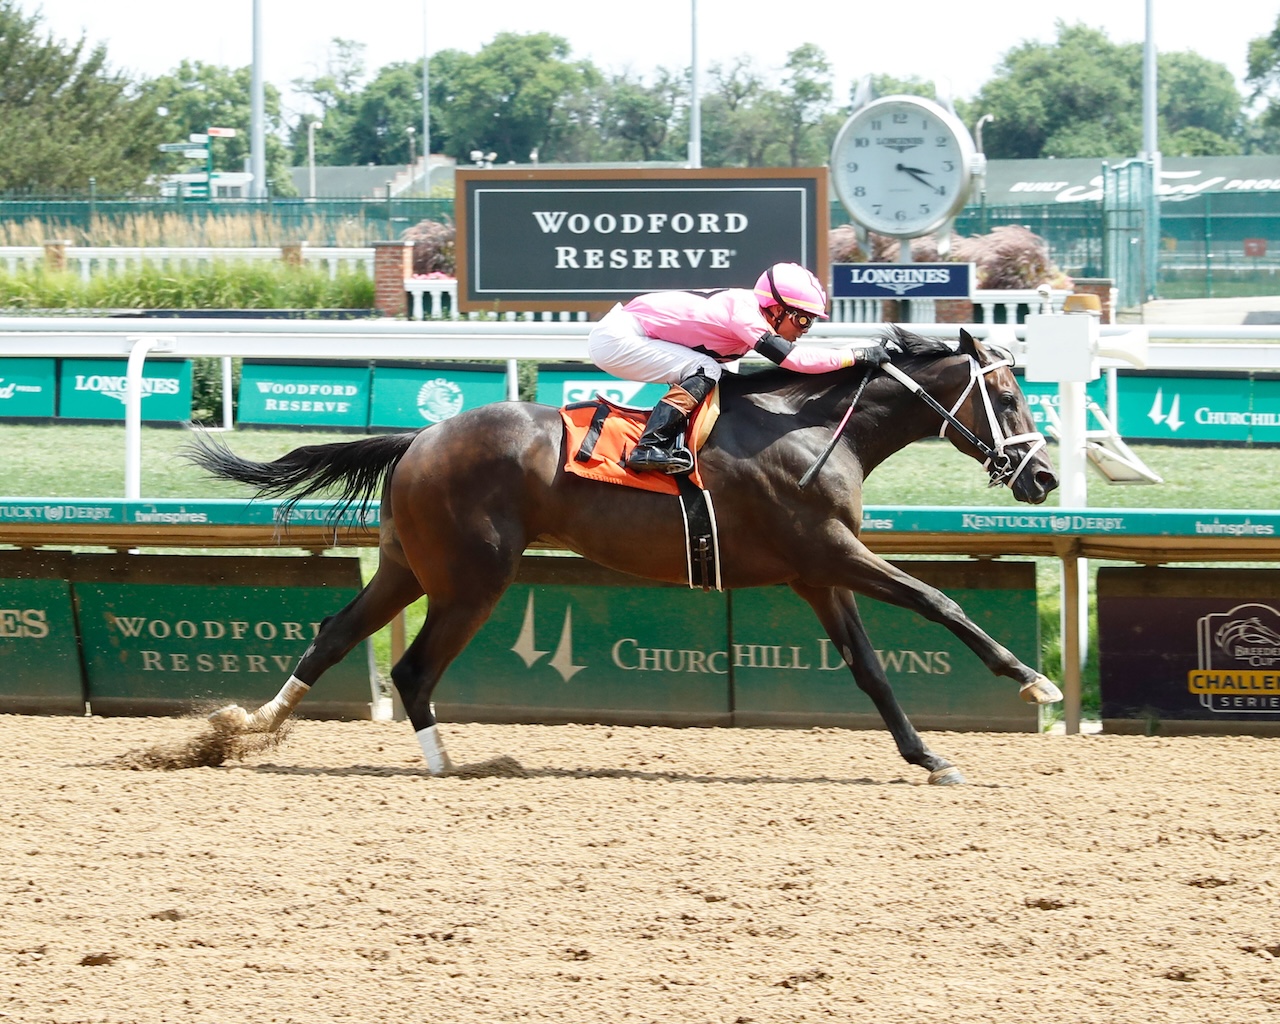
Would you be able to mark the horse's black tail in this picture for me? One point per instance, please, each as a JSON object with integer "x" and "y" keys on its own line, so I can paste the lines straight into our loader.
{"x": 356, "y": 470}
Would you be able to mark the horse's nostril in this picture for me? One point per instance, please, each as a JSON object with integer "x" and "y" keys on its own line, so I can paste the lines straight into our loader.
{"x": 1047, "y": 480}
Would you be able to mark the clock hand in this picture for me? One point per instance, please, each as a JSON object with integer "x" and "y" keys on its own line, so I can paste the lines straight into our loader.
{"x": 916, "y": 172}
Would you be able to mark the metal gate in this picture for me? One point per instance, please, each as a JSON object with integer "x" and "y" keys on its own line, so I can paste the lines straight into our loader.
{"x": 1131, "y": 226}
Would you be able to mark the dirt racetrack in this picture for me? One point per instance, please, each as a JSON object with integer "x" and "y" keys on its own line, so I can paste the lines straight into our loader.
{"x": 606, "y": 875}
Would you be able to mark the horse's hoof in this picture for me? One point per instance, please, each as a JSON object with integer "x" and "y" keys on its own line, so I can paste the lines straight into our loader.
{"x": 948, "y": 776}
{"x": 1040, "y": 691}
{"x": 232, "y": 718}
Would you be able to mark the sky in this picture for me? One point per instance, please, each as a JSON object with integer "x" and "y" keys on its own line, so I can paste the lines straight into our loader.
{"x": 955, "y": 44}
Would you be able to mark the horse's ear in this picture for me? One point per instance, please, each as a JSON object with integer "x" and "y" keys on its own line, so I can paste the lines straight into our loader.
{"x": 969, "y": 347}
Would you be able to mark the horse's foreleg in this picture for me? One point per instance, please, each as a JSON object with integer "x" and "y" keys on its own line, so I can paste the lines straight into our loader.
{"x": 393, "y": 586}
{"x": 838, "y": 612}
{"x": 884, "y": 581}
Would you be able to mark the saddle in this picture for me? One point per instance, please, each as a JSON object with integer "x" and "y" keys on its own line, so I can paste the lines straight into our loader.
{"x": 598, "y": 434}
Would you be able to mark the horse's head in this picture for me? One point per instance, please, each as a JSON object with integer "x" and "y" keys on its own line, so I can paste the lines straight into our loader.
{"x": 995, "y": 425}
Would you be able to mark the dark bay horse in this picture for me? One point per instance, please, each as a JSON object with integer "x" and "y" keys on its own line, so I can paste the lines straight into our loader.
{"x": 461, "y": 500}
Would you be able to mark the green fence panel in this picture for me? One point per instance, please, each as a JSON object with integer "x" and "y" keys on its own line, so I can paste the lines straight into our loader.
{"x": 95, "y": 389}
{"x": 38, "y": 645}
{"x": 321, "y": 394}
{"x": 786, "y": 671}
{"x": 171, "y": 634}
{"x": 28, "y": 388}
{"x": 630, "y": 653}
{"x": 417, "y": 396}
{"x": 564, "y": 383}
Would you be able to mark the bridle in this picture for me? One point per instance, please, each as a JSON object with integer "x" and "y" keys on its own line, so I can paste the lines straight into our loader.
{"x": 999, "y": 463}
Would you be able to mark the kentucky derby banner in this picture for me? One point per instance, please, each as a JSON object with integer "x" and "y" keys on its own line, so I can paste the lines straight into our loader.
{"x": 585, "y": 239}
{"x": 901, "y": 280}
{"x": 95, "y": 389}
{"x": 28, "y": 388}
{"x": 1189, "y": 650}
{"x": 420, "y": 394}
{"x": 316, "y": 394}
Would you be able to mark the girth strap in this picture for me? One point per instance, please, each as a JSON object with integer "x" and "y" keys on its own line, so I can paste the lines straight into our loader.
{"x": 592, "y": 435}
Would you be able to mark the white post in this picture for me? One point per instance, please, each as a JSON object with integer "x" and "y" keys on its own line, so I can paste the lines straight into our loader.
{"x": 695, "y": 99}
{"x": 133, "y": 408}
{"x": 311, "y": 156}
{"x": 257, "y": 115}
{"x": 228, "y": 417}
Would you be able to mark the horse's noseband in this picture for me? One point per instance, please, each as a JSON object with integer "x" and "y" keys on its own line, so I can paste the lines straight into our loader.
{"x": 998, "y": 462}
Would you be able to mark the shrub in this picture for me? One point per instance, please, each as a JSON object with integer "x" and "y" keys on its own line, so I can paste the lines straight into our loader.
{"x": 433, "y": 247}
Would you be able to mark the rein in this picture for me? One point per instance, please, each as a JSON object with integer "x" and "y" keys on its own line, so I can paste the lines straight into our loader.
{"x": 998, "y": 464}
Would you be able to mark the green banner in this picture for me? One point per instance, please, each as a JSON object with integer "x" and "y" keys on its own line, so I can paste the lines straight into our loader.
{"x": 318, "y": 395}
{"x": 407, "y": 396}
{"x": 571, "y": 653}
{"x": 28, "y": 387}
{"x": 95, "y": 389}
{"x": 645, "y": 653}
{"x": 160, "y": 647}
{"x": 38, "y": 648}
{"x": 563, "y": 384}
{"x": 786, "y": 670}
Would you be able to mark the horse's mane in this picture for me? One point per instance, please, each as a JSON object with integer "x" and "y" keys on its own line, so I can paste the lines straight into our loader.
{"x": 795, "y": 389}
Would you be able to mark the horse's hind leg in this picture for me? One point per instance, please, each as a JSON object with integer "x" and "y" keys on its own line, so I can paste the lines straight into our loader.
{"x": 449, "y": 627}
{"x": 838, "y": 612}
{"x": 393, "y": 586}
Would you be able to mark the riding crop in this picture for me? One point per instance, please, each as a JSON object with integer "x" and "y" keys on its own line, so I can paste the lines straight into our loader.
{"x": 812, "y": 471}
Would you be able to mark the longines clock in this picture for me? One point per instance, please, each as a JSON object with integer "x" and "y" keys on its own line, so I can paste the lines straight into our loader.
{"x": 903, "y": 166}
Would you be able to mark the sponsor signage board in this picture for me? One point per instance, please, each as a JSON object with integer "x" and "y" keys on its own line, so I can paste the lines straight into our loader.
{"x": 316, "y": 394}
{"x": 408, "y": 396}
{"x": 902, "y": 280}
{"x": 38, "y": 647}
{"x": 566, "y": 383}
{"x": 164, "y": 634}
{"x": 95, "y": 389}
{"x": 1189, "y": 650}
{"x": 645, "y": 653}
{"x": 585, "y": 239}
{"x": 28, "y": 388}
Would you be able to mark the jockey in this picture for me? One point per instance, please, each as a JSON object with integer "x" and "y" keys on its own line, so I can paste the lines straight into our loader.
{"x": 682, "y": 338}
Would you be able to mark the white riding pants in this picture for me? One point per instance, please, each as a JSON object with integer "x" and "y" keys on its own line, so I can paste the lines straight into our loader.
{"x": 618, "y": 345}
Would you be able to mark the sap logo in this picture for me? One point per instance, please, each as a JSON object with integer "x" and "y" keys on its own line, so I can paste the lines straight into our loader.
{"x": 620, "y": 391}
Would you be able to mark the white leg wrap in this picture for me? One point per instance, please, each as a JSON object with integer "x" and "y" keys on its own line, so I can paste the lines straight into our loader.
{"x": 433, "y": 750}
{"x": 268, "y": 717}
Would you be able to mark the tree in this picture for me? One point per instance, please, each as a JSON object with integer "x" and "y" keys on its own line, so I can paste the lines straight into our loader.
{"x": 65, "y": 118}
{"x": 1082, "y": 97}
{"x": 1263, "y": 78}
{"x": 197, "y": 96}
{"x": 804, "y": 104}
{"x": 511, "y": 98}
{"x": 637, "y": 120}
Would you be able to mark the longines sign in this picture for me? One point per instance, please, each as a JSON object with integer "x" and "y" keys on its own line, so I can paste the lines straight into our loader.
{"x": 585, "y": 239}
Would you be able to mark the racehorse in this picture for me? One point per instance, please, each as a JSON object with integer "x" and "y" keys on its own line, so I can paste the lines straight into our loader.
{"x": 463, "y": 498}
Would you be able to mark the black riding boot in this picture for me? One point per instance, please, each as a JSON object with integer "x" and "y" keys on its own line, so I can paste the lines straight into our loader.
{"x": 658, "y": 449}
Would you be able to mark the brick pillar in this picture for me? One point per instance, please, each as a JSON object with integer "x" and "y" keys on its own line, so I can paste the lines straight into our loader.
{"x": 1104, "y": 289}
{"x": 953, "y": 311}
{"x": 55, "y": 253}
{"x": 291, "y": 254}
{"x": 392, "y": 263}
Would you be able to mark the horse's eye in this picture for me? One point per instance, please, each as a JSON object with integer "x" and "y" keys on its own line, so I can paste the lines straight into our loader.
{"x": 1008, "y": 399}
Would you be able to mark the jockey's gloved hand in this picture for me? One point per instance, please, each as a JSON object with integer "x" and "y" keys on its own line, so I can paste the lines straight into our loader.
{"x": 876, "y": 353}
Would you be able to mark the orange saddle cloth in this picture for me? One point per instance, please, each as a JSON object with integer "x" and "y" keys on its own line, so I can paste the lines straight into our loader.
{"x": 599, "y": 434}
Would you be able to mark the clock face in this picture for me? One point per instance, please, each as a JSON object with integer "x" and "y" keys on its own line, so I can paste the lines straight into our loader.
{"x": 902, "y": 165}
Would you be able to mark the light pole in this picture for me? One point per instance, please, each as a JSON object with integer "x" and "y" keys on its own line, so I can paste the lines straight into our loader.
{"x": 695, "y": 100}
{"x": 311, "y": 155}
{"x": 426, "y": 105}
{"x": 410, "y": 132}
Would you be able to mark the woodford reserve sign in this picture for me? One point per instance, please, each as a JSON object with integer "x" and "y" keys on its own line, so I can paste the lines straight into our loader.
{"x": 585, "y": 239}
